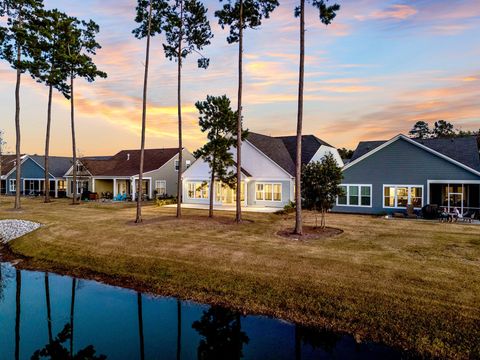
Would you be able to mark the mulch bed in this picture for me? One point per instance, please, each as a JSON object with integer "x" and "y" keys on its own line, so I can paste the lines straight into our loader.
{"x": 310, "y": 233}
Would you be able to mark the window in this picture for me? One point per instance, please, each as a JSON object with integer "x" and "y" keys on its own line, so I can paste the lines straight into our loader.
{"x": 62, "y": 186}
{"x": 12, "y": 184}
{"x": 188, "y": 163}
{"x": 355, "y": 195}
{"x": 268, "y": 192}
{"x": 197, "y": 190}
{"x": 177, "y": 165}
{"x": 161, "y": 187}
{"x": 400, "y": 196}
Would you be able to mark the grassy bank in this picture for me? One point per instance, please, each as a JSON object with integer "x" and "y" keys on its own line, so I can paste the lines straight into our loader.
{"x": 411, "y": 284}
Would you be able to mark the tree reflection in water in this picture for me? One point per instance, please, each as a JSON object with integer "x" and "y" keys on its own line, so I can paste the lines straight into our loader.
{"x": 56, "y": 350}
{"x": 222, "y": 334}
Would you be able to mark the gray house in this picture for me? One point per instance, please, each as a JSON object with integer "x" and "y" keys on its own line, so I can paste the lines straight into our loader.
{"x": 118, "y": 174}
{"x": 387, "y": 176}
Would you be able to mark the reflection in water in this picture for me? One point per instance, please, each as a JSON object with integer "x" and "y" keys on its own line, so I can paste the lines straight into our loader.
{"x": 56, "y": 351}
{"x": 222, "y": 334}
{"x": 123, "y": 324}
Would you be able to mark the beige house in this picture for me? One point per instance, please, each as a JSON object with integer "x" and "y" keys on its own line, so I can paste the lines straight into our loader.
{"x": 114, "y": 176}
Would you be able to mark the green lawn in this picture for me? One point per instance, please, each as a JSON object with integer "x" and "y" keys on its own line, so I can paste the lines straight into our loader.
{"x": 408, "y": 283}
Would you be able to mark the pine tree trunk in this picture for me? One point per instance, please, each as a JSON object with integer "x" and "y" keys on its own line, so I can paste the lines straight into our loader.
{"x": 74, "y": 143}
{"x": 298, "y": 157}
{"x": 238, "y": 218}
{"x": 212, "y": 190}
{"x": 179, "y": 96}
{"x": 17, "y": 129}
{"x": 144, "y": 120}
{"x": 47, "y": 144}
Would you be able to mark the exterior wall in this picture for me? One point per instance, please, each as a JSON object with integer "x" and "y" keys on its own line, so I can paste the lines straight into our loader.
{"x": 29, "y": 170}
{"x": 400, "y": 163}
{"x": 251, "y": 194}
{"x": 324, "y": 150}
{"x": 168, "y": 173}
{"x": 102, "y": 185}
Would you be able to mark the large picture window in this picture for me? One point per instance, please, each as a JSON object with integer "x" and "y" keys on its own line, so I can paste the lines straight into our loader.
{"x": 400, "y": 196}
{"x": 355, "y": 195}
{"x": 197, "y": 190}
{"x": 268, "y": 192}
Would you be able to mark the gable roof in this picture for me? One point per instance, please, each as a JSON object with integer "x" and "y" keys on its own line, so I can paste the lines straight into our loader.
{"x": 282, "y": 149}
{"x": 462, "y": 151}
{"x": 57, "y": 165}
{"x": 127, "y": 162}
{"x": 310, "y": 146}
{"x": 275, "y": 149}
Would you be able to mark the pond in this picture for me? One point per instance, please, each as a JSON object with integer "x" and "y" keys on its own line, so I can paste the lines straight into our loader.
{"x": 43, "y": 314}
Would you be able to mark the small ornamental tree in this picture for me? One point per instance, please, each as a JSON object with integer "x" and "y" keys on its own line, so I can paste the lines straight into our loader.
{"x": 239, "y": 15}
{"x": 16, "y": 47}
{"x": 187, "y": 30}
{"x": 321, "y": 186}
{"x": 420, "y": 130}
{"x": 219, "y": 122}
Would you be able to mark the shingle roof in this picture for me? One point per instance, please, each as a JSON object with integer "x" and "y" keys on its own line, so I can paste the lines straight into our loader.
{"x": 275, "y": 149}
{"x": 57, "y": 165}
{"x": 462, "y": 149}
{"x": 310, "y": 146}
{"x": 282, "y": 149}
{"x": 127, "y": 162}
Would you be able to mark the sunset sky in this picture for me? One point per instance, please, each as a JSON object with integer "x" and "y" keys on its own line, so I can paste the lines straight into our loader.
{"x": 381, "y": 66}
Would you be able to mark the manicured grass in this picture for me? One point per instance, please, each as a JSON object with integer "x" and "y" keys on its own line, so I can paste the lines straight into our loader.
{"x": 412, "y": 284}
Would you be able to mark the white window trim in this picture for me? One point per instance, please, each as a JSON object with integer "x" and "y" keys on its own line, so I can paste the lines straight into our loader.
{"x": 176, "y": 165}
{"x": 161, "y": 183}
{"x": 198, "y": 198}
{"x": 263, "y": 192}
{"x": 12, "y": 186}
{"x": 359, "y": 195}
{"x": 396, "y": 198}
{"x": 188, "y": 163}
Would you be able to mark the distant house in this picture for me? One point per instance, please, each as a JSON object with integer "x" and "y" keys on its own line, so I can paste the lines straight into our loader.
{"x": 387, "y": 176}
{"x": 268, "y": 171}
{"x": 32, "y": 181}
{"x": 118, "y": 174}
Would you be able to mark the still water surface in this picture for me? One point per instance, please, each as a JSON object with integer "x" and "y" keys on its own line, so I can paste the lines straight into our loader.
{"x": 45, "y": 314}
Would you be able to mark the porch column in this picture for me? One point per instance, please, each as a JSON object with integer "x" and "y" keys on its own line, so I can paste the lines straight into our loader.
{"x": 23, "y": 187}
{"x": 115, "y": 187}
{"x": 56, "y": 188}
{"x": 245, "y": 192}
{"x": 93, "y": 185}
{"x": 150, "y": 189}
{"x": 134, "y": 189}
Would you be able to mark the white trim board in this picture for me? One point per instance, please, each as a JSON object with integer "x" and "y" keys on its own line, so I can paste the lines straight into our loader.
{"x": 403, "y": 137}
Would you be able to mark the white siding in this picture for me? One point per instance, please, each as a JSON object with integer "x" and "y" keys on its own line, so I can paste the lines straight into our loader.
{"x": 324, "y": 150}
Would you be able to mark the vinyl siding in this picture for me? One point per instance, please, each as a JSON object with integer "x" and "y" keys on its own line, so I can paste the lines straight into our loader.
{"x": 400, "y": 163}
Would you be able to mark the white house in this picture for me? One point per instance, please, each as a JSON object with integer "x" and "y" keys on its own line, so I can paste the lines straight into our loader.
{"x": 268, "y": 171}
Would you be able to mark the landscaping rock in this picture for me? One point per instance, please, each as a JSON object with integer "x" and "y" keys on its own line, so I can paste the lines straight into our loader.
{"x": 12, "y": 229}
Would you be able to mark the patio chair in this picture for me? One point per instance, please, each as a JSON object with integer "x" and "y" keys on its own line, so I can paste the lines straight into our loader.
{"x": 468, "y": 216}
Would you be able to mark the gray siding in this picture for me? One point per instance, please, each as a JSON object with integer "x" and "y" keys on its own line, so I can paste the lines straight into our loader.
{"x": 400, "y": 163}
